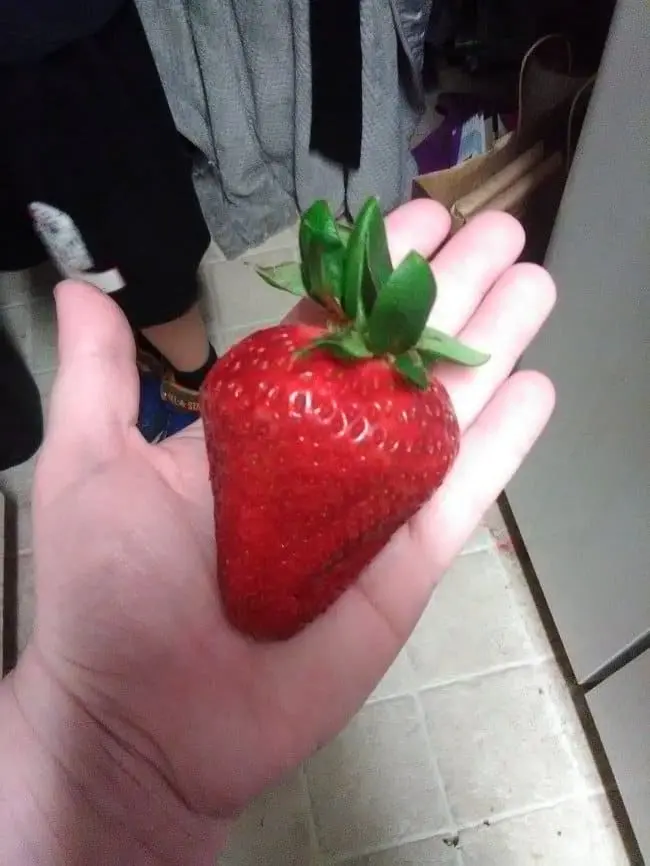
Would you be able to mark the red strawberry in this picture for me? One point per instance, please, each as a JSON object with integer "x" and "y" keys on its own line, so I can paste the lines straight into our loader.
{"x": 323, "y": 442}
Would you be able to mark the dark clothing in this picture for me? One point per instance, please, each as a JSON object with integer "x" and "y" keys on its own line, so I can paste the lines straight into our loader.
{"x": 336, "y": 93}
{"x": 30, "y": 29}
{"x": 21, "y": 430}
{"x": 89, "y": 150}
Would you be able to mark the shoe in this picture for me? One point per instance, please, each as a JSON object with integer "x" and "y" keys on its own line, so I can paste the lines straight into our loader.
{"x": 166, "y": 407}
{"x": 152, "y": 412}
{"x": 182, "y": 405}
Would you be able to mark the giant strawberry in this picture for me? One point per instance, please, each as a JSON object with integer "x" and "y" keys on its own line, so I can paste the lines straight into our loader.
{"x": 322, "y": 442}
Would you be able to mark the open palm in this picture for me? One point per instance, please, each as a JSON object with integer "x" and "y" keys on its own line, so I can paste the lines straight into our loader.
{"x": 128, "y": 614}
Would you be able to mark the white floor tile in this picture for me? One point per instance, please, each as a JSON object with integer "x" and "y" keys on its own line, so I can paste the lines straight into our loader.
{"x": 26, "y": 600}
{"x": 18, "y": 321}
{"x": 376, "y": 783}
{"x": 535, "y": 627}
{"x": 213, "y": 254}
{"x": 284, "y": 240}
{"x": 239, "y": 297}
{"x": 225, "y": 340}
{"x": 271, "y": 257}
{"x": 23, "y": 287}
{"x": 500, "y": 744}
{"x": 274, "y": 831}
{"x": 481, "y": 539}
{"x": 438, "y": 851}
{"x": 14, "y": 288}
{"x": 44, "y": 352}
{"x": 472, "y": 625}
{"x": 575, "y": 833}
{"x": 45, "y": 383}
{"x": 582, "y": 751}
{"x": 493, "y": 520}
{"x": 24, "y": 528}
{"x": 17, "y": 482}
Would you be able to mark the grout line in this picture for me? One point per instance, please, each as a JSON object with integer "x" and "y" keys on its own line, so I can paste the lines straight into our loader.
{"x": 316, "y": 854}
{"x": 436, "y": 767}
{"x": 464, "y": 679}
{"x": 382, "y": 699}
{"x": 498, "y": 818}
{"x": 388, "y": 846}
{"x": 536, "y": 661}
{"x": 289, "y": 250}
{"x": 481, "y": 549}
{"x": 11, "y": 305}
{"x": 416, "y": 837}
{"x": 43, "y": 371}
{"x": 394, "y": 844}
{"x": 547, "y": 805}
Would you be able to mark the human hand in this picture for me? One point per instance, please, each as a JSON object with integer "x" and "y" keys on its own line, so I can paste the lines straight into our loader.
{"x": 128, "y": 621}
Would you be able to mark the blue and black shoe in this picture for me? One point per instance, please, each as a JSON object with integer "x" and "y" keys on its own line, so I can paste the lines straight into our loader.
{"x": 152, "y": 415}
{"x": 165, "y": 406}
{"x": 182, "y": 405}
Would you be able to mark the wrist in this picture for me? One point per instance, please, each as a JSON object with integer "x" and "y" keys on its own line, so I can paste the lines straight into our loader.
{"x": 72, "y": 793}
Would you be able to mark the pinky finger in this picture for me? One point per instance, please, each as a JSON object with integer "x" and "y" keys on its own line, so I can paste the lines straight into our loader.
{"x": 492, "y": 451}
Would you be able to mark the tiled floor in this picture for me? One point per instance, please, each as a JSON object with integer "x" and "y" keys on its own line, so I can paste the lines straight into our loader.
{"x": 469, "y": 753}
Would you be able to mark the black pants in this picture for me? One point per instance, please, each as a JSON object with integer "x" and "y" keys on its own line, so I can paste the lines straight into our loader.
{"x": 93, "y": 173}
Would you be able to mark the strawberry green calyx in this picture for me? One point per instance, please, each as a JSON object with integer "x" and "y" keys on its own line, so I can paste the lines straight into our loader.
{"x": 376, "y": 310}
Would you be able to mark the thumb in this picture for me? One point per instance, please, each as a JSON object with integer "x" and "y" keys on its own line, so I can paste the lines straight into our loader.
{"x": 95, "y": 395}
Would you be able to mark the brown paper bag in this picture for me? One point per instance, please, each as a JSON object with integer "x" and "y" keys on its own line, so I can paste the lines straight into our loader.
{"x": 524, "y": 172}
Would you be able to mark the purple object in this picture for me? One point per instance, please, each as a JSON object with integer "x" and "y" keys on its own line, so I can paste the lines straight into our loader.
{"x": 439, "y": 150}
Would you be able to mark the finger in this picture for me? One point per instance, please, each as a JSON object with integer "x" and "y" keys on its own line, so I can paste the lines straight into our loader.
{"x": 95, "y": 395}
{"x": 504, "y": 325}
{"x": 371, "y": 622}
{"x": 470, "y": 263}
{"x": 420, "y": 225}
{"x": 492, "y": 451}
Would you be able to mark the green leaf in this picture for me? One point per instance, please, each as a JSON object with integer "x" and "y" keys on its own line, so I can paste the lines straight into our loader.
{"x": 411, "y": 368}
{"x": 322, "y": 252}
{"x": 317, "y": 225}
{"x": 287, "y": 276}
{"x": 347, "y": 345}
{"x": 353, "y": 272}
{"x": 378, "y": 261}
{"x": 344, "y": 229}
{"x": 367, "y": 265}
{"x": 402, "y": 307}
{"x": 325, "y": 270}
{"x": 435, "y": 346}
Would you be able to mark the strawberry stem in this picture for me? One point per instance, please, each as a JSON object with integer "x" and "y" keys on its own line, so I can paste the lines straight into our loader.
{"x": 379, "y": 311}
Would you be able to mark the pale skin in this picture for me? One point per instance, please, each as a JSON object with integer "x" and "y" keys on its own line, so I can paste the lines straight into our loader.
{"x": 138, "y": 724}
{"x": 183, "y": 342}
